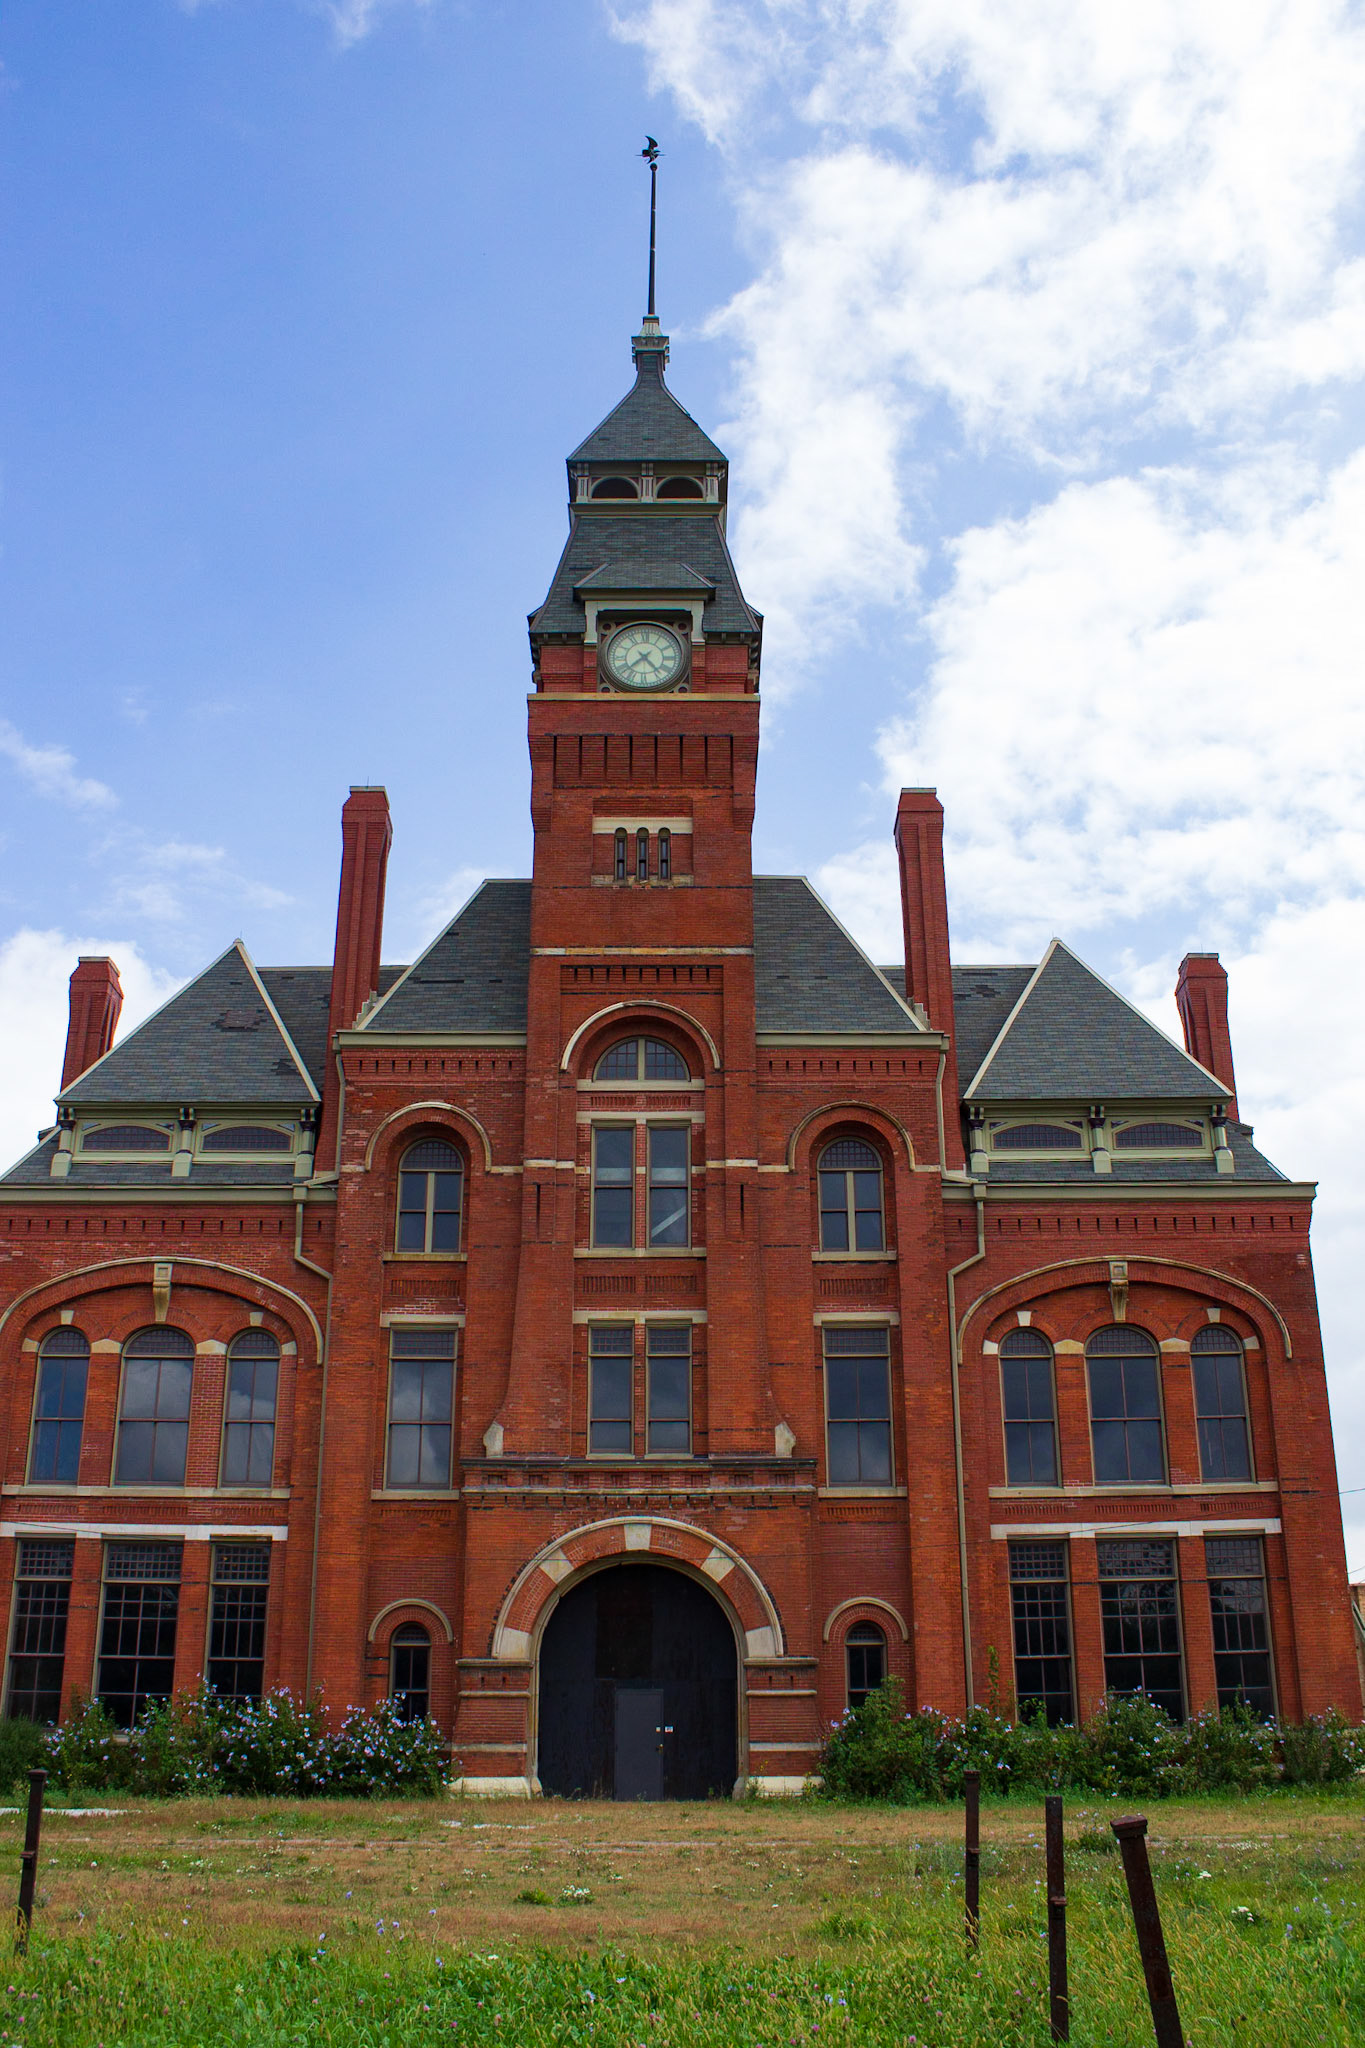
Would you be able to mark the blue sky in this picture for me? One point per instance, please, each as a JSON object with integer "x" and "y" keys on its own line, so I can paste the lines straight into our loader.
{"x": 1035, "y": 332}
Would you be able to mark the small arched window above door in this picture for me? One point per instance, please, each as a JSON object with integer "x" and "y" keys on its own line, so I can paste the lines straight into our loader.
{"x": 864, "y": 1661}
{"x": 851, "y": 1198}
{"x": 410, "y": 1671}
{"x": 641, "y": 1059}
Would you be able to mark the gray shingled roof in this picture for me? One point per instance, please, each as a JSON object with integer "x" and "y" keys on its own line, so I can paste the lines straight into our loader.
{"x": 646, "y": 551}
{"x": 1251, "y": 1166}
{"x": 302, "y": 996}
{"x": 34, "y": 1170}
{"x": 982, "y": 999}
{"x": 218, "y": 1040}
{"x": 808, "y": 973}
{"x": 648, "y": 425}
{"x": 1073, "y": 1037}
{"x": 473, "y": 977}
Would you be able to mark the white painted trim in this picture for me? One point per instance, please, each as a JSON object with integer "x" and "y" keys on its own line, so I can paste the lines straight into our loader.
{"x": 114, "y": 1532}
{"x": 1002, "y": 1531}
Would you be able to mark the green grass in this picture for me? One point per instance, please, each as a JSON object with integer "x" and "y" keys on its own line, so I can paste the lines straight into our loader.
{"x": 702, "y": 1928}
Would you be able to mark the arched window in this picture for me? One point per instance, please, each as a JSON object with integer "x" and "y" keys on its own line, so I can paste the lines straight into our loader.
{"x": 641, "y": 1059}
{"x": 247, "y": 1138}
{"x": 410, "y": 1671}
{"x": 249, "y": 1411}
{"x": 851, "y": 1198}
{"x": 615, "y": 487}
{"x": 622, "y": 857}
{"x": 1125, "y": 1407}
{"x": 665, "y": 855}
{"x": 126, "y": 1138}
{"x": 1030, "y": 1418}
{"x": 59, "y": 1408}
{"x": 642, "y": 856}
{"x": 154, "y": 1413}
{"x": 1220, "y": 1403}
{"x": 864, "y": 1660}
{"x": 679, "y": 487}
{"x": 430, "y": 1195}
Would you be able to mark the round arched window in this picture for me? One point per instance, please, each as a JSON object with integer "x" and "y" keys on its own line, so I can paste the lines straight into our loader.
{"x": 641, "y": 1059}
{"x": 430, "y": 1197}
{"x": 679, "y": 487}
{"x": 615, "y": 487}
{"x": 851, "y": 1198}
{"x": 1124, "y": 1370}
{"x": 865, "y": 1659}
{"x": 410, "y": 1671}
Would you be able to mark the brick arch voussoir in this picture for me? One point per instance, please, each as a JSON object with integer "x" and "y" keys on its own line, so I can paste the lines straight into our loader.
{"x": 539, "y": 1585}
{"x": 402, "y": 1124}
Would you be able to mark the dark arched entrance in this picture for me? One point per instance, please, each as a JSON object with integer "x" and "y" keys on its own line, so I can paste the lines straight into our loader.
{"x": 637, "y": 1689}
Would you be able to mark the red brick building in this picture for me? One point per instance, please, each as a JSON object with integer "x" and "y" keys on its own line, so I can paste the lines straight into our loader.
{"x": 636, "y": 1326}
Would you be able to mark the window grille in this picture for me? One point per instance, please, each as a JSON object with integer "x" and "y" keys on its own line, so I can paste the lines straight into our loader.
{"x": 37, "y": 1650}
{"x": 1158, "y": 1138}
{"x": 1040, "y": 1606}
{"x": 1036, "y": 1138}
{"x": 1140, "y": 1619}
{"x": 641, "y": 1059}
{"x": 138, "y": 1627}
{"x": 1241, "y": 1624}
{"x": 154, "y": 1417}
{"x": 246, "y": 1138}
{"x": 611, "y": 1373}
{"x": 125, "y": 1138}
{"x": 241, "y": 1583}
{"x": 1125, "y": 1407}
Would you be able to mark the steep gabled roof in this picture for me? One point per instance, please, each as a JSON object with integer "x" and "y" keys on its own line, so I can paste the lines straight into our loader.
{"x": 473, "y": 977}
{"x": 303, "y": 995}
{"x": 809, "y": 975}
{"x": 219, "y": 1040}
{"x": 649, "y": 425}
{"x": 982, "y": 999}
{"x": 1070, "y": 1036}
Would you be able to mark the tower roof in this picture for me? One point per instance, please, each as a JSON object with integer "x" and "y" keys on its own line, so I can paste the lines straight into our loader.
{"x": 649, "y": 425}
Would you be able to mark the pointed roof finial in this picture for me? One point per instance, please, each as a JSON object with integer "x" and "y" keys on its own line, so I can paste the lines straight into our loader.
{"x": 649, "y": 343}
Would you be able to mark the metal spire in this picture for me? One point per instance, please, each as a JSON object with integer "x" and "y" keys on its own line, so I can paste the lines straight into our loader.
{"x": 650, "y": 153}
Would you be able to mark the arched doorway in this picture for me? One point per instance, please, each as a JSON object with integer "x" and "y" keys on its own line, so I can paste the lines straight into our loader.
{"x": 638, "y": 1673}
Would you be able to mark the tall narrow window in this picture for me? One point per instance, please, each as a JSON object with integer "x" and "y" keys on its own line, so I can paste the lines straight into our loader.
{"x": 858, "y": 1404}
{"x": 241, "y": 1587}
{"x": 1030, "y": 1416}
{"x": 665, "y": 855}
{"x": 1220, "y": 1403}
{"x": 253, "y": 1371}
{"x": 421, "y": 1406}
{"x": 864, "y": 1661}
{"x": 1241, "y": 1632}
{"x": 154, "y": 1417}
{"x": 1140, "y": 1617}
{"x": 668, "y": 1350}
{"x": 410, "y": 1671}
{"x": 430, "y": 1197}
{"x": 1042, "y": 1631}
{"x": 137, "y": 1632}
{"x": 642, "y": 856}
{"x": 59, "y": 1409}
{"x": 669, "y": 1146}
{"x": 851, "y": 1198}
{"x": 1125, "y": 1407}
{"x": 613, "y": 1184}
{"x": 611, "y": 1371}
{"x": 620, "y": 868}
{"x": 37, "y": 1644}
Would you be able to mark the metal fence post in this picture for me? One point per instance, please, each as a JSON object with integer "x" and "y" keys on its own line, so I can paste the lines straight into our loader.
{"x": 971, "y": 1782}
{"x": 1131, "y": 1832}
{"x": 28, "y": 1873}
{"x": 1058, "y": 1998}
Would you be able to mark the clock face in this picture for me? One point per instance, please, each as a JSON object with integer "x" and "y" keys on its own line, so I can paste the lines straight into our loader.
{"x": 644, "y": 657}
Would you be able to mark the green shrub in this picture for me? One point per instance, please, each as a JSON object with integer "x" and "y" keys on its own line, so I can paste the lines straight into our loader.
{"x": 84, "y": 1754}
{"x": 1130, "y": 1748}
{"x": 21, "y": 1749}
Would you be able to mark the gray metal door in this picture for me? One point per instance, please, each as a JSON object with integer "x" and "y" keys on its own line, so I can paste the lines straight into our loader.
{"x": 640, "y": 1739}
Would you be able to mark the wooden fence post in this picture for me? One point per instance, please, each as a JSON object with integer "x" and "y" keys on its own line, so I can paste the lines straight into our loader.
{"x": 28, "y": 1873}
{"x": 1058, "y": 1998}
{"x": 1131, "y": 1832}
{"x": 971, "y": 1781}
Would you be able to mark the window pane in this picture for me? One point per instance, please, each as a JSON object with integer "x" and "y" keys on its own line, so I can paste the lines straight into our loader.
{"x": 1241, "y": 1634}
{"x": 611, "y": 1389}
{"x": 412, "y": 1212}
{"x": 874, "y": 1454}
{"x": 668, "y": 1162}
{"x": 841, "y": 1376}
{"x": 662, "y": 1063}
{"x": 867, "y": 1205}
{"x": 842, "y": 1459}
{"x": 615, "y": 1155}
{"x": 168, "y": 1456}
{"x": 833, "y": 1213}
{"x": 135, "y": 1443}
{"x": 435, "y": 1455}
{"x": 405, "y": 1390}
{"x": 669, "y": 1390}
{"x": 613, "y": 1216}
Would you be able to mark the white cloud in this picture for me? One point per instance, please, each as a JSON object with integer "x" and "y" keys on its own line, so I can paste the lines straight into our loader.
{"x": 352, "y": 20}
{"x": 35, "y": 968}
{"x": 168, "y": 880}
{"x": 418, "y": 922}
{"x": 51, "y": 770}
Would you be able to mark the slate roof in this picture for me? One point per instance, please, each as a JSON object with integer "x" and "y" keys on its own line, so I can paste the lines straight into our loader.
{"x": 982, "y": 999}
{"x": 649, "y": 425}
{"x": 34, "y": 1170}
{"x": 808, "y": 973}
{"x": 1072, "y": 1037}
{"x": 473, "y": 977}
{"x": 646, "y": 551}
{"x": 1251, "y": 1165}
{"x": 302, "y": 995}
{"x": 219, "y": 1040}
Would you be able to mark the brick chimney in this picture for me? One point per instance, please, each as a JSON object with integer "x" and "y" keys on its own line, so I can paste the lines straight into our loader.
{"x": 366, "y": 836}
{"x": 924, "y": 914}
{"x": 96, "y": 1001}
{"x": 1201, "y": 995}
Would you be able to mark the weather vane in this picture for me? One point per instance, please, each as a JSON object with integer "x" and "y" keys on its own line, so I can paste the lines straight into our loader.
{"x": 650, "y": 153}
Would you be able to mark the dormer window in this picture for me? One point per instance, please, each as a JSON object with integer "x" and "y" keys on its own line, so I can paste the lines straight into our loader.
{"x": 679, "y": 487}
{"x": 125, "y": 1138}
{"x": 615, "y": 487}
{"x": 1159, "y": 1137}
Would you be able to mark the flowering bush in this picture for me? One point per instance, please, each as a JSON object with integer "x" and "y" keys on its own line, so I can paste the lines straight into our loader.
{"x": 1130, "y": 1746}
{"x": 200, "y": 1743}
